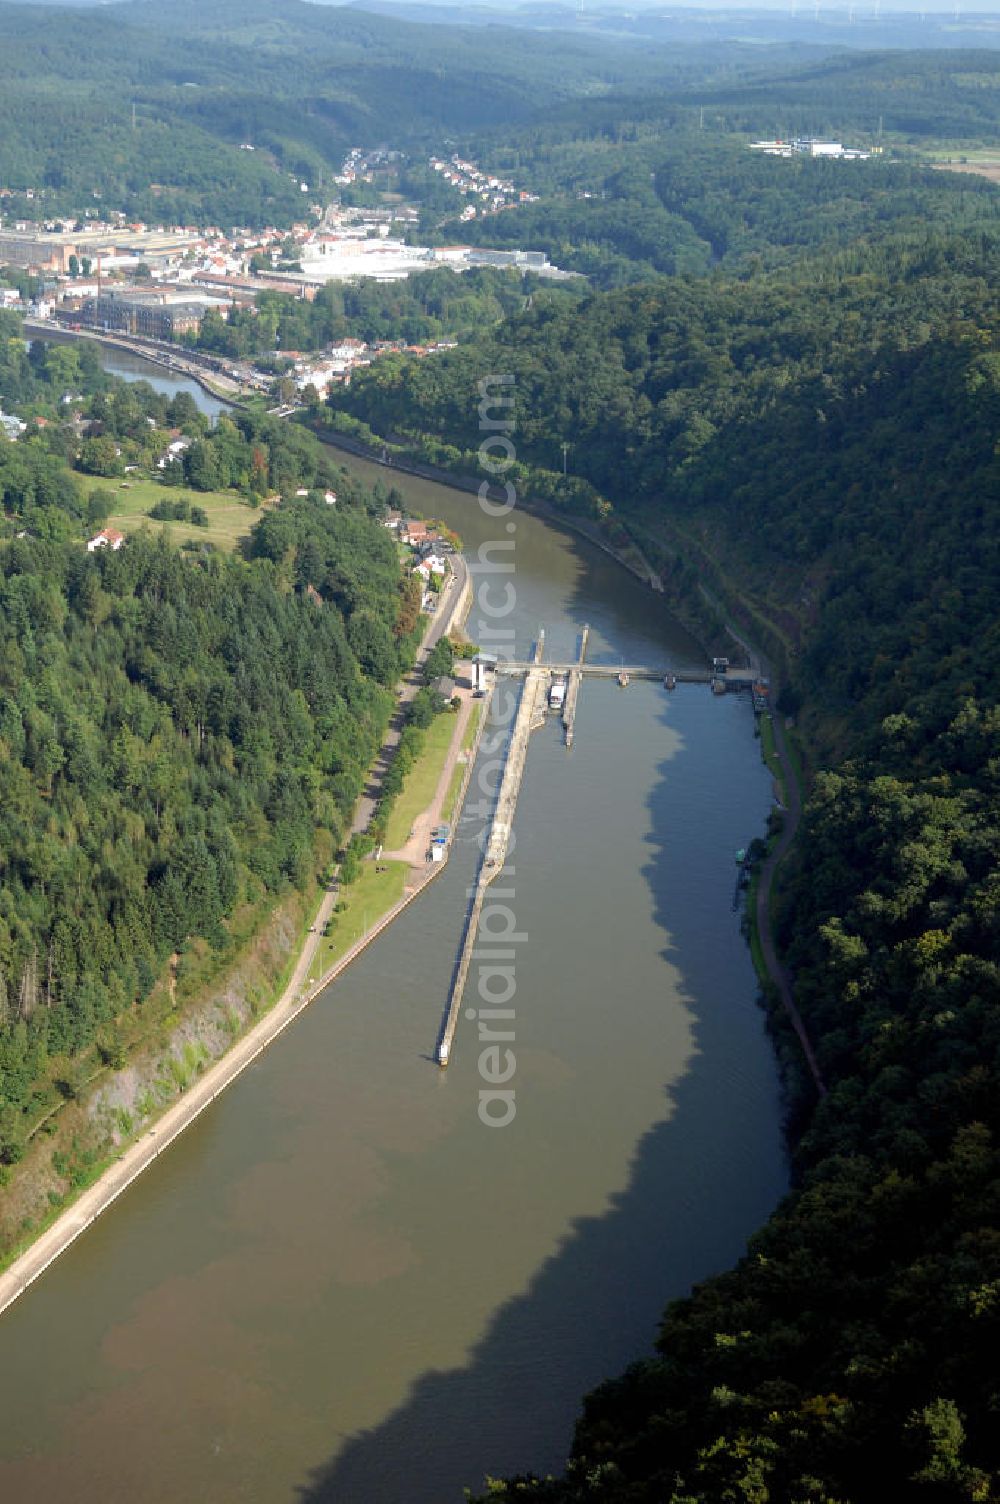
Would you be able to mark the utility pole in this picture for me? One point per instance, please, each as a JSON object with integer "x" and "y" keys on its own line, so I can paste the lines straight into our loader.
{"x": 565, "y": 451}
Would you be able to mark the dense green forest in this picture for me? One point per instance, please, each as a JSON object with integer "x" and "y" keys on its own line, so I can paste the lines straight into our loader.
{"x": 176, "y": 729}
{"x": 145, "y": 109}
{"x": 428, "y": 306}
{"x": 685, "y": 203}
{"x": 816, "y": 430}
{"x": 652, "y": 387}
{"x": 302, "y": 86}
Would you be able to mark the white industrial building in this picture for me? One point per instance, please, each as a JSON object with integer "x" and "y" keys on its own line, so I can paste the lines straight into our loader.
{"x": 810, "y": 146}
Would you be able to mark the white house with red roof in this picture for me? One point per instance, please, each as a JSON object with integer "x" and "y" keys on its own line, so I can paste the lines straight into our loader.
{"x": 108, "y": 537}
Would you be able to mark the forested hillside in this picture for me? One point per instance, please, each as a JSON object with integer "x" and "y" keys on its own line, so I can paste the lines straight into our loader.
{"x": 180, "y": 733}
{"x": 681, "y": 204}
{"x": 428, "y": 306}
{"x": 823, "y": 444}
{"x": 144, "y": 107}
{"x": 302, "y": 84}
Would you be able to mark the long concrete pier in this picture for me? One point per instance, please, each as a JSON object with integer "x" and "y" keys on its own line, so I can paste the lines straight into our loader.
{"x": 573, "y": 688}
{"x": 530, "y": 712}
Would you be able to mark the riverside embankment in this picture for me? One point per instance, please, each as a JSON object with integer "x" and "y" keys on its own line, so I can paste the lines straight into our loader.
{"x": 189, "y": 365}
{"x": 299, "y": 992}
{"x": 337, "y": 1258}
{"x": 393, "y": 462}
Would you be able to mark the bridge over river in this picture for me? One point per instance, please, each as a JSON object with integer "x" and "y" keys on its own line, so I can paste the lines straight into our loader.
{"x": 728, "y": 678}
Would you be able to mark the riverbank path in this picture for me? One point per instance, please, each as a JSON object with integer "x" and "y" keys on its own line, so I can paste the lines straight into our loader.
{"x": 444, "y": 619}
{"x": 416, "y": 847}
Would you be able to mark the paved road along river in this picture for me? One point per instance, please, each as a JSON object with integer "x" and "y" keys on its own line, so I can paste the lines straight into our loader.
{"x": 339, "y": 1285}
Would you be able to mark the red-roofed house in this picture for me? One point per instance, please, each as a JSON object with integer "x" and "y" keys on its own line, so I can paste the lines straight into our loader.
{"x": 415, "y": 531}
{"x": 108, "y": 537}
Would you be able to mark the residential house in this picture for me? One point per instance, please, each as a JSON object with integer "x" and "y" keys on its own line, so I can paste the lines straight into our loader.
{"x": 108, "y": 537}
{"x": 174, "y": 451}
{"x": 414, "y": 532}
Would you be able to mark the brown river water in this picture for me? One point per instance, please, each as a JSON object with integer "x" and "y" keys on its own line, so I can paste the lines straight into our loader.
{"x": 339, "y": 1286}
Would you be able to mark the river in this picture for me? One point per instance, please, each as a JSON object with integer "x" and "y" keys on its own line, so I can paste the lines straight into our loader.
{"x": 133, "y": 368}
{"x": 340, "y": 1286}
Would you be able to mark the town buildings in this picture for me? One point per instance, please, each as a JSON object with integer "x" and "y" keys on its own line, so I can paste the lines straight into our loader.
{"x": 152, "y": 314}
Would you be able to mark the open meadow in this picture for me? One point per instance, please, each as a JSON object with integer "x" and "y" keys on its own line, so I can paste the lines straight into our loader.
{"x": 230, "y": 517}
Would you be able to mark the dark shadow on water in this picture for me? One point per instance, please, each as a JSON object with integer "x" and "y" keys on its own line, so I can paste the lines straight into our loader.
{"x": 693, "y": 1197}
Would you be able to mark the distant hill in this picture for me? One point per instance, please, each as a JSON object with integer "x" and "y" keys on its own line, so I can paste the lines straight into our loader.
{"x": 144, "y": 105}
{"x": 300, "y": 82}
{"x": 832, "y": 26}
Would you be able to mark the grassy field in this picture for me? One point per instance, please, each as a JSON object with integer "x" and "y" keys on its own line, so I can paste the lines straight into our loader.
{"x": 229, "y": 517}
{"x": 984, "y": 161}
{"x": 376, "y": 890}
{"x": 986, "y": 154}
{"x": 769, "y": 753}
{"x": 794, "y": 745}
{"x": 421, "y": 781}
{"x": 451, "y": 799}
